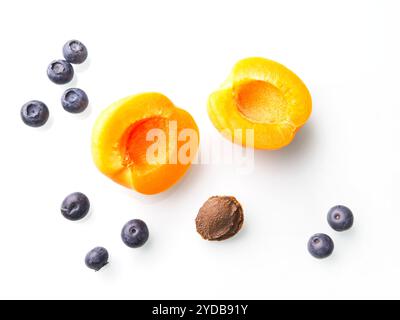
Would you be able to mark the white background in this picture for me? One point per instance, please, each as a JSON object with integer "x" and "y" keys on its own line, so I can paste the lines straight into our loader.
{"x": 348, "y": 54}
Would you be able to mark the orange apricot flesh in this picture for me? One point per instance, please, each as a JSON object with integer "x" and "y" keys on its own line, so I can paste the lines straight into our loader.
{"x": 263, "y": 97}
{"x": 138, "y": 142}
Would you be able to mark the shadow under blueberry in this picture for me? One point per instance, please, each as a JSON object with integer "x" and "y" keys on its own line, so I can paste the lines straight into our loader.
{"x": 86, "y": 219}
{"x": 83, "y": 66}
{"x": 85, "y": 114}
{"x": 72, "y": 84}
{"x": 143, "y": 251}
{"x": 47, "y": 126}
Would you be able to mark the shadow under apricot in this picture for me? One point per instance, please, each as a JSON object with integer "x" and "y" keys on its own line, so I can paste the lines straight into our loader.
{"x": 182, "y": 186}
{"x": 299, "y": 148}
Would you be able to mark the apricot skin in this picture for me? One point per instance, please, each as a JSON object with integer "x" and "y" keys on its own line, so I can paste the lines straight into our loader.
{"x": 119, "y": 142}
{"x": 263, "y": 97}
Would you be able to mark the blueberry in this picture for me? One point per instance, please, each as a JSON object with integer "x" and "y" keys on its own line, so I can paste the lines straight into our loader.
{"x": 34, "y": 113}
{"x": 96, "y": 258}
{"x": 320, "y": 246}
{"x": 135, "y": 233}
{"x": 60, "y": 71}
{"x": 340, "y": 218}
{"x": 74, "y": 100}
{"x": 75, "y": 206}
{"x": 75, "y": 51}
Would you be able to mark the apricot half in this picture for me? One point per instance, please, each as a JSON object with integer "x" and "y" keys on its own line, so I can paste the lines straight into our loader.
{"x": 144, "y": 142}
{"x": 262, "y": 99}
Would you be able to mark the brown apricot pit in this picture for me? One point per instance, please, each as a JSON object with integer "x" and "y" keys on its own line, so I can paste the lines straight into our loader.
{"x": 220, "y": 218}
